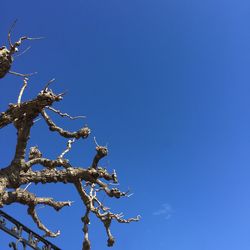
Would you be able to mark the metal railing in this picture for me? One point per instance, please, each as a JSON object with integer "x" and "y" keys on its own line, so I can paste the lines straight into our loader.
{"x": 24, "y": 236}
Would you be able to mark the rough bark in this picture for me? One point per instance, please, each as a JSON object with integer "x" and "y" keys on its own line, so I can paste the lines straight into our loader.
{"x": 88, "y": 181}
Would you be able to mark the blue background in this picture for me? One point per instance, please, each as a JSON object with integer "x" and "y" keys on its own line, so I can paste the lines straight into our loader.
{"x": 167, "y": 85}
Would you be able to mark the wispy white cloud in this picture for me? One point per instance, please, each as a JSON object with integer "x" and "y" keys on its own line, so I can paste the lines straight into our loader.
{"x": 165, "y": 211}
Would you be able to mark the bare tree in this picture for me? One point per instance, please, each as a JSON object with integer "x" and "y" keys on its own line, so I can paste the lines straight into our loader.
{"x": 87, "y": 181}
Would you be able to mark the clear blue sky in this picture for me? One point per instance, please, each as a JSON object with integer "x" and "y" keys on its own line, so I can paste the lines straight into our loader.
{"x": 166, "y": 83}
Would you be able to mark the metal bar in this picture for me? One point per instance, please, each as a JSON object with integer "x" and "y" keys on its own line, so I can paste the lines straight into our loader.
{"x": 19, "y": 228}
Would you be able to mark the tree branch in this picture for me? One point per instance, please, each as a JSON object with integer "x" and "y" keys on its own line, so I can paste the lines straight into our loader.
{"x": 19, "y": 172}
{"x": 65, "y": 114}
{"x": 81, "y": 133}
{"x": 26, "y": 198}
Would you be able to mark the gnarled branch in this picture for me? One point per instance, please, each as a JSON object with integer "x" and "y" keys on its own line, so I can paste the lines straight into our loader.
{"x": 88, "y": 181}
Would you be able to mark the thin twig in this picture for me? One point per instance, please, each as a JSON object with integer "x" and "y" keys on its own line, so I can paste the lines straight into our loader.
{"x": 114, "y": 184}
{"x": 22, "y": 75}
{"x": 48, "y": 83}
{"x": 27, "y": 186}
{"x": 65, "y": 114}
{"x": 38, "y": 119}
{"x": 25, "y": 83}
{"x": 27, "y": 49}
{"x": 129, "y": 195}
{"x": 10, "y": 30}
{"x": 63, "y": 93}
{"x": 35, "y": 38}
{"x": 96, "y": 142}
{"x": 69, "y": 145}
